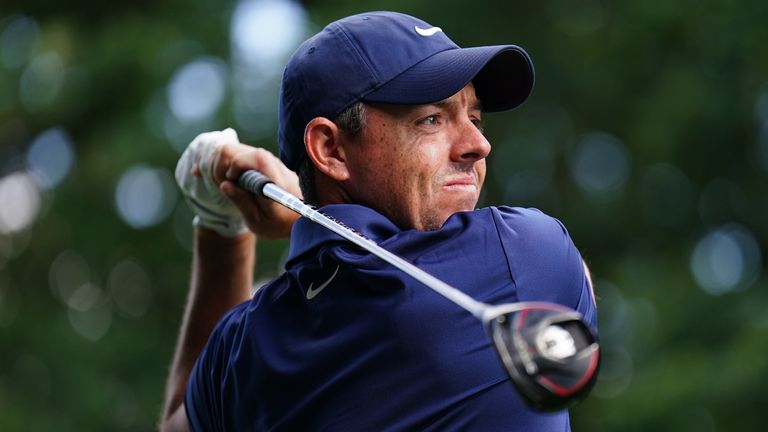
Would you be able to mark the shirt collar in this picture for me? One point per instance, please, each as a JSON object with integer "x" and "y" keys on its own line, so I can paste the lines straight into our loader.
{"x": 307, "y": 235}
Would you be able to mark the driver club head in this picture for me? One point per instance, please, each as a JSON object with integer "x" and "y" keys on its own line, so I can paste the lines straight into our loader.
{"x": 550, "y": 353}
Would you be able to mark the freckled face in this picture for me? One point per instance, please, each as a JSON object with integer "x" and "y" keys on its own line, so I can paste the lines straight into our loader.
{"x": 420, "y": 164}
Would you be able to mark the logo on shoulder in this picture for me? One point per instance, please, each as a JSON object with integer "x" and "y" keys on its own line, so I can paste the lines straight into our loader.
{"x": 311, "y": 293}
{"x": 427, "y": 32}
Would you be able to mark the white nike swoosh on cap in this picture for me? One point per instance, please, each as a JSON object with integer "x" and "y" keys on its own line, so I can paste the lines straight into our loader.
{"x": 427, "y": 32}
{"x": 312, "y": 293}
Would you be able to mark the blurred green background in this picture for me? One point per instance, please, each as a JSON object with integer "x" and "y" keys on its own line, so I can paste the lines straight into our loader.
{"x": 646, "y": 134}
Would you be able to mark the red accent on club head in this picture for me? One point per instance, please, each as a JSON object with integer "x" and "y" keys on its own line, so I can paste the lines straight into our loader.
{"x": 521, "y": 318}
{"x": 567, "y": 391}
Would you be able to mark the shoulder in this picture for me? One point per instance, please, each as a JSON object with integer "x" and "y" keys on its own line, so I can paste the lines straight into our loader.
{"x": 530, "y": 227}
{"x": 542, "y": 258}
{"x": 229, "y": 323}
{"x": 532, "y": 231}
{"x": 500, "y": 230}
{"x": 525, "y": 218}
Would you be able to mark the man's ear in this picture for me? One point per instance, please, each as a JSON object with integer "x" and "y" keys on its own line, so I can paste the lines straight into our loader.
{"x": 324, "y": 147}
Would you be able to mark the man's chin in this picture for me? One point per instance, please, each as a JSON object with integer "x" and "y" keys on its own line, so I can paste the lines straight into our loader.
{"x": 437, "y": 222}
{"x": 462, "y": 205}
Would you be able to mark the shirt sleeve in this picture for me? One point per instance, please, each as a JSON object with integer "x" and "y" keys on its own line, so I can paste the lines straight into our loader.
{"x": 543, "y": 261}
{"x": 194, "y": 398}
{"x": 202, "y": 395}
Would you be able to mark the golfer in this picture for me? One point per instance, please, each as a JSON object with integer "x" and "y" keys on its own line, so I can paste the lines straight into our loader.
{"x": 380, "y": 126}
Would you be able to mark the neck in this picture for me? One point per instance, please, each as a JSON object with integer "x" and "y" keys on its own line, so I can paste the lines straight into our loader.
{"x": 329, "y": 191}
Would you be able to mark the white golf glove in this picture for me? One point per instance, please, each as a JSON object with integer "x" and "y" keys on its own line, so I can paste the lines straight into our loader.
{"x": 212, "y": 208}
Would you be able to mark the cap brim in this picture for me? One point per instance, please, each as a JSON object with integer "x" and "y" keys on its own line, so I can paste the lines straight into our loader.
{"x": 503, "y": 77}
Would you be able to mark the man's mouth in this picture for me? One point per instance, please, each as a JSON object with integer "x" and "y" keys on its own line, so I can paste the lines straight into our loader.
{"x": 463, "y": 182}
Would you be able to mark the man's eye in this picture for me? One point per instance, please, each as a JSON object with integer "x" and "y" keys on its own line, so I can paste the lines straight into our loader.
{"x": 430, "y": 120}
{"x": 478, "y": 124}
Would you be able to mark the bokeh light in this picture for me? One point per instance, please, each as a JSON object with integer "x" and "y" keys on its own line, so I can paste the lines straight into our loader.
{"x": 263, "y": 34}
{"x": 130, "y": 288}
{"x": 616, "y": 372}
{"x": 180, "y": 134}
{"x": 68, "y": 272}
{"x": 726, "y": 259}
{"x": 600, "y": 164}
{"x": 89, "y": 307}
{"x": 197, "y": 90}
{"x": 90, "y": 313}
{"x": 626, "y": 326}
{"x": 145, "y": 196}
{"x": 265, "y": 31}
{"x": 41, "y": 81}
{"x": 20, "y": 200}
{"x": 614, "y": 312}
{"x": 85, "y": 297}
{"x": 50, "y": 157}
{"x": 18, "y": 41}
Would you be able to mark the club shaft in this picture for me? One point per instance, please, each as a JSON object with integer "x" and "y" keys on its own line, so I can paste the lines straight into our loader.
{"x": 256, "y": 182}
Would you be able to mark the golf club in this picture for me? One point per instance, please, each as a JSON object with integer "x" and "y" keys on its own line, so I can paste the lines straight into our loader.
{"x": 549, "y": 352}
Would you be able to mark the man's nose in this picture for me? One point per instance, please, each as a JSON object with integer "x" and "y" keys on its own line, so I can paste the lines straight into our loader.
{"x": 471, "y": 145}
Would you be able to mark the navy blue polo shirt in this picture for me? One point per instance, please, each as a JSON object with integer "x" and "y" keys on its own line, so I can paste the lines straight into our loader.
{"x": 345, "y": 342}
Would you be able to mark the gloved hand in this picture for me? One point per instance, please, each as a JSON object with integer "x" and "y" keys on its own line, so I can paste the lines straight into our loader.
{"x": 194, "y": 175}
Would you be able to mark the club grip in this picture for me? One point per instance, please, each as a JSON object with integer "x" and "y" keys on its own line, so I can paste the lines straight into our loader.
{"x": 253, "y": 181}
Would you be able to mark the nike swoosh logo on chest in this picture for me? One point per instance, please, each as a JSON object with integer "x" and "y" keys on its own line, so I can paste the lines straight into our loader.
{"x": 311, "y": 293}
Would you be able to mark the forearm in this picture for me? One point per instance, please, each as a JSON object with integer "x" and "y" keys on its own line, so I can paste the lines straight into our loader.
{"x": 222, "y": 275}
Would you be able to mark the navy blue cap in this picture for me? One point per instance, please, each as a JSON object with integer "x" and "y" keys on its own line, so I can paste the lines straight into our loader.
{"x": 390, "y": 57}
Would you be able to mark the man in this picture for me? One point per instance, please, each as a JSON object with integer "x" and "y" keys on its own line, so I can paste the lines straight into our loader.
{"x": 381, "y": 116}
